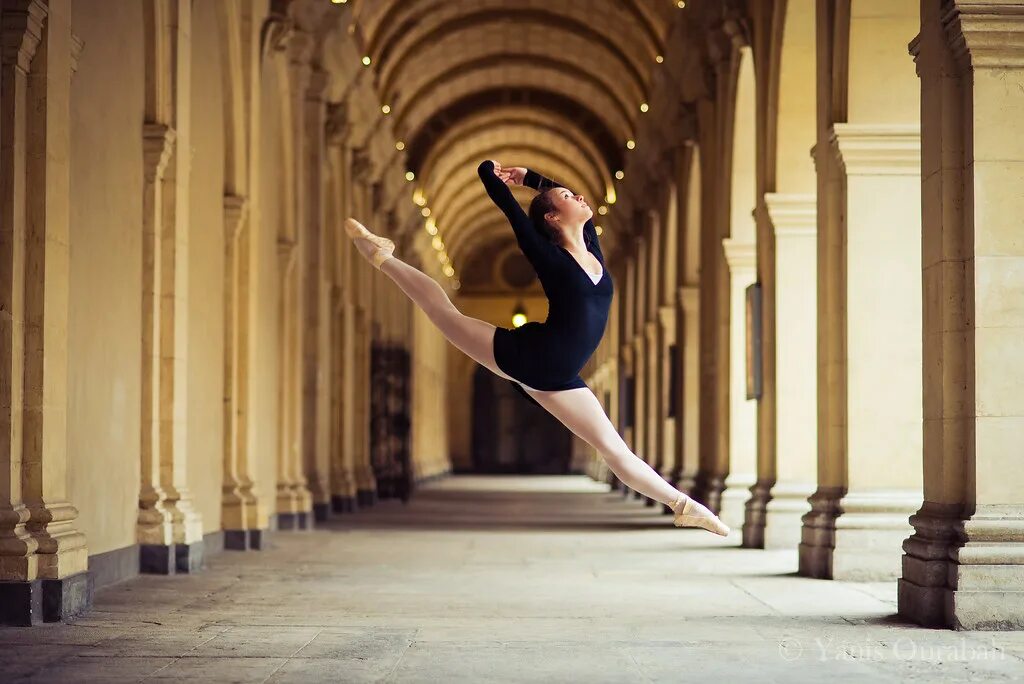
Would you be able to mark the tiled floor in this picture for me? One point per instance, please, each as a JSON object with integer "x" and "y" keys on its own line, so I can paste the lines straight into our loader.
{"x": 545, "y": 579}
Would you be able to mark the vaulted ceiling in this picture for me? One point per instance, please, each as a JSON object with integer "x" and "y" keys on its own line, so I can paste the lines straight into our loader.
{"x": 555, "y": 85}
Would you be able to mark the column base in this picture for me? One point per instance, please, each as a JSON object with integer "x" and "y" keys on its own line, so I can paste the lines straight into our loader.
{"x": 734, "y": 498}
{"x": 708, "y": 489}
{"x": 784, "y": 512}
{"x": 24, "y": 604}
{"x": 294, "y": 521}
{"x": 343, "y": 504}
{"x": 321, "y": 512}
{"x": 755, "y": 515}
{"x": 964, "y": 574}
{"x": 854, "y": 536}
{"x": 246, "y": 540}
{"x": 366, "y": 498}
{"x": 170, "y": 559}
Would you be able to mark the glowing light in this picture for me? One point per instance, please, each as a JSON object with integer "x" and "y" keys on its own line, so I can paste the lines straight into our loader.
{"x": 399, "y": 145}
{"x": 449, "y": 271}
{"x": 366, "y": 60}
{"x": 518, "y": 319}
{"x": 431, "y": 226}
{"x": 339, "y": 2}
{"x": 598, "y": 229}
{"x": 437, "y": 243}
{"x": 630, "y": 144}
{"x": 620, "y": 175}
{"x": 425, "y": 211}
{"x": 418, "y": 197}
{"x": 681, "y": 4}
{"x": 456, "y": 284}
{"x": 659, "y": 59}
{"x": 602, "y": 210}
{"x": 644, "y": 107}
{"x": 386, "y": 109}
{"x": 410, "y": 176}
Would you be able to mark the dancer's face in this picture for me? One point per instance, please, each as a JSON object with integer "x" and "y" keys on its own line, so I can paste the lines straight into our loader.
{"x": 568, "y": 209}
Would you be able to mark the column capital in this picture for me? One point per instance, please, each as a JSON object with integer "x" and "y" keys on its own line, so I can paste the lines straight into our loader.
{"x": 739, "y": 253}
{"x": 689, "y": 298}
{"x": 792, "y": 214}
{"x": 878, "y": 149}
{"x": 986, "y": 33}
{"x": 157, "y": 145}
{"x": 235, "y": 209}
{"x": 21, "y": 29}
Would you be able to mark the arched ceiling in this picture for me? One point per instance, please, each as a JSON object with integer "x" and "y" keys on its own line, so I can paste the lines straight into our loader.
{"x": 555, "y": 85}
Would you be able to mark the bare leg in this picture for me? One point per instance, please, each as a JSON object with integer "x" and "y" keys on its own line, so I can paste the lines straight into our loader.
{"x": 580, "y": 411}
{"x": 473, "y": 337}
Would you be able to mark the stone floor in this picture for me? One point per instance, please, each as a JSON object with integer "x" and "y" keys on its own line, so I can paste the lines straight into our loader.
{"x": 504, "y": 579}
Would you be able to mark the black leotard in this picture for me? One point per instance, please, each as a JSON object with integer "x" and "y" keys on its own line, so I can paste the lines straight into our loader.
{"x": 550, "y": 355}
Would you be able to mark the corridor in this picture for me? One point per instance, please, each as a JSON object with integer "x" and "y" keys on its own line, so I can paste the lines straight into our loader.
{"x": 503, "y": 579}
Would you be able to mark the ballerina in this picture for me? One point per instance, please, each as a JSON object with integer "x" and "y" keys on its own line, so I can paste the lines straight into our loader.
{"x": 543, "y": 359}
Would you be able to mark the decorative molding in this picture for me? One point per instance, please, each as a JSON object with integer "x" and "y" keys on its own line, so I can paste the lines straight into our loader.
{"x": 157, "y": 146}
{"x": 21, "y": 29}
{"x": 791, "y": 214}
{"x": 739, "y": 253}
{"x": 984, "y": 33}
{"x": 878, "y": 149}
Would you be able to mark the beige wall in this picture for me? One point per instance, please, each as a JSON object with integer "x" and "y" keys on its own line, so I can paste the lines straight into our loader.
{"x": 206, "y": 272}
{"x": 264, "y": 427}
{"x": 105, "y": 326}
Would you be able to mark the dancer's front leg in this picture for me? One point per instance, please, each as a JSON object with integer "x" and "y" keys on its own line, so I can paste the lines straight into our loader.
{"x": 581, "y": 412}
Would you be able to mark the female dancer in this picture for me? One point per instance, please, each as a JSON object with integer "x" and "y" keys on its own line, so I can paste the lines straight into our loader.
{"x": 543, "y": 360}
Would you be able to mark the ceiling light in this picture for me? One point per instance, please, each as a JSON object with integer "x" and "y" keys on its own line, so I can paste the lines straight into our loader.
{"x": 399, "y": 145}
{"x": 431, "y": 226}
{"x": 410, "y": 176}
{"x": 339, "y": 2}
{"x": 659, "y": 59}
{"x": 386, "y": 109}
{"x": 425, "y": 211}
{"x": 602, "y": 210}
{"x": 630, "y": 144}
{"x": 620, "y": 175}
{"x": 598, "y": 229}
{"x": 366, "y": 60}
{"x": 437, "y": 244}
{"x": 681, "y": 4}
{"x": 644, "y": 107}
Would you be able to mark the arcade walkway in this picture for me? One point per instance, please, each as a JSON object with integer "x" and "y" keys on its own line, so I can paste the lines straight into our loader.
{"x": 546, "y": 579}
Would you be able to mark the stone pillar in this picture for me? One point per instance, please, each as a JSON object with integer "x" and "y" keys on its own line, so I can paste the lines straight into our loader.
{"x": 169, "y": 529}
{"x": 689, "y": 407}
{"x": 366, "y": 483}
{"x": 740, "y": 259}
{"x": 316, "y": 339}
{"x": 243, "y": 515}
{"x": 964, "y": 565}
{"x": 869, "y": 354}
{"x": 343, "y": 481}
{"x": 652, "y": 391}
{"x": 666, "y": 338}
{"x": 43, "y": 557}
{"x": 782, "y": 494}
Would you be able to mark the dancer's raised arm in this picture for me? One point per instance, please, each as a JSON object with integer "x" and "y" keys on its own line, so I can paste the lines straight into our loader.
{"x": 532, "y": 243}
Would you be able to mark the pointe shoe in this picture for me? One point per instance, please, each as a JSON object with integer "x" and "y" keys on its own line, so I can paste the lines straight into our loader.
{"x": 687, "y": 516}
{"x": 385, "y": 247}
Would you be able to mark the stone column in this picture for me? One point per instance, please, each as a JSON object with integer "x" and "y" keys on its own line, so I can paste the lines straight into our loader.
{"x": 169, "y": 529}
{"x": 652, "y": 391}
{"x": 964, "y": 565}
{"x": 740, "y": 259}
{"x": 316, "y": 340}
{"x": 869, "y": 354}
{"x": 343, "y": 481}
{"x": 366, "y": 483}
{"x": 666, "y": 339}
{"x": 43, "y": 557}
{"x": 689, "y": 407}
{"x": 244, "y": 517}
{"x": 785, "y": 491}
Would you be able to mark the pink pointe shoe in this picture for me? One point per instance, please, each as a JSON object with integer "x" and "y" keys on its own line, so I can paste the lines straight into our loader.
{"x": 689, "y": 513}
{"x": 385, "y": 247}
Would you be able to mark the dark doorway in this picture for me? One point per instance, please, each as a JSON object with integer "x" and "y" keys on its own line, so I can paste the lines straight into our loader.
{"x": 512, "y": 435}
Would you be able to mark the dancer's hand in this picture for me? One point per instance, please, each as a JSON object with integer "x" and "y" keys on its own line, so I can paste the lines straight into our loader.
{"x": 512, "y": 175}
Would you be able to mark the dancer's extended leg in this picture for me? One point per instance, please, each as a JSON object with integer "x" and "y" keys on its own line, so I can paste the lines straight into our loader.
{"x": 580, "y": 411}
